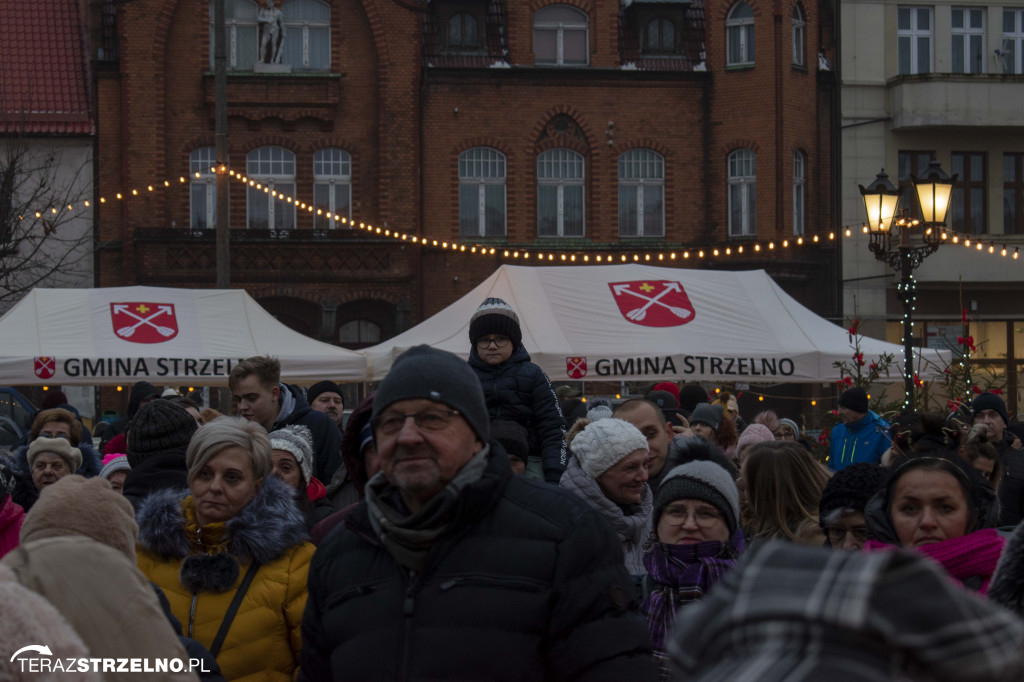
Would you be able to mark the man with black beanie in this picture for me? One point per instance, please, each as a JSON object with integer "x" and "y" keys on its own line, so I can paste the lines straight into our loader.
{"x": 861, "y": 435}
{"x": 450, "y": 557}
{"x": 325, "y": 396}
{"x": 989, "y": 410}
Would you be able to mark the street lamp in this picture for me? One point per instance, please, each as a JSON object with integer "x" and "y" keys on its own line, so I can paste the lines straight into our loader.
{"x": 890, "y": 232}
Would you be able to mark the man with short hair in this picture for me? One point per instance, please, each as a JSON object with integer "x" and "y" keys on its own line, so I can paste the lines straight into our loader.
{"x": 325, "y": 396}
{"x": 454, "y": 568}
{"x": 861, "y": 435}
{"x": 665, "y": 442}
{"x": 256, "y": 386}
{"x": 989, "y": 412}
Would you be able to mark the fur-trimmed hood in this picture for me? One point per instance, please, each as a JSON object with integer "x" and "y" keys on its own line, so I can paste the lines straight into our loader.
{"x": 264, "y": 530}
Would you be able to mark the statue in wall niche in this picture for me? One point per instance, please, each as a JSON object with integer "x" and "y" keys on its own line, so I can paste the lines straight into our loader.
{"x": 272, "y": 33}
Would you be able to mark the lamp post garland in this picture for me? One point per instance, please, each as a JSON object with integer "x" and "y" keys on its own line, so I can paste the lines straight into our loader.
{"x": 890, "y": 242}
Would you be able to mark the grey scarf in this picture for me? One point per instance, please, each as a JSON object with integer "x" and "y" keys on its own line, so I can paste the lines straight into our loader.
{"x": 409, "y": 537}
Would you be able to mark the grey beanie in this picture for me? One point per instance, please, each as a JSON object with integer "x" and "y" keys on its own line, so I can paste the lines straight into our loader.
{"x": 599, "y": 408}
{"x": 495, "y": 316}
{"x": 606, "y": 442}
{"x": 791, "y": 424}
{"x": 708, "y": 414}
{"x": 427, "y": 373}
{"x": 297, "y": 440}
{"x": 700, "y": 480}
{"x": 115, "y": 464}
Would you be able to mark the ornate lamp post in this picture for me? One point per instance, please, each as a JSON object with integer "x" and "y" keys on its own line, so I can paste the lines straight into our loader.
{"x": 890, "y": 232}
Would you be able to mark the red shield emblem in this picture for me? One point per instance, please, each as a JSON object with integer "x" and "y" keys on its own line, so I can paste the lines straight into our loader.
{"x": 144, "y": 322}
{"x": 576, "y": 368}
{"x": 45, "y": 367}
{"x": 653, "y": 303}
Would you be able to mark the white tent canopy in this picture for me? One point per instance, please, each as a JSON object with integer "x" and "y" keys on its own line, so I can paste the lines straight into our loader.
{"x": 638, "y": 322}
{"x": 171, "y": 336}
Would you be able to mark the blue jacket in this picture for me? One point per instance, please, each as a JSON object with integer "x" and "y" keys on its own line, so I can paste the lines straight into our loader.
{"x": 862, "y": 441}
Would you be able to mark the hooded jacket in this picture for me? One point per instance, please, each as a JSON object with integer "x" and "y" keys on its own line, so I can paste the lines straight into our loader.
{"x": 25, "y": 493}
{"x": 326, "y": 436}
{"x": 526, "y": 583}
{"x": 865, "y": 440}
{"x": 199, "y": 570}
{"x": 346, "y": 487}
{"x": 519, "y": 390}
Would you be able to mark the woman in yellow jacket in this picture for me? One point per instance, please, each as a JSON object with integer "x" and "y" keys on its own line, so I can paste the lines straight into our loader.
{"x": 234, "y": 542}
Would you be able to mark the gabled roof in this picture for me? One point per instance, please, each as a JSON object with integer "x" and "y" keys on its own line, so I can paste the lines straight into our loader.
{"x": 43, "y": 87}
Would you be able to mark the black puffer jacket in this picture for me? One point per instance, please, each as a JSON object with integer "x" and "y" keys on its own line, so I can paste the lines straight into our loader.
{"x": 326, "y": 436}
{"x": 1011, "y": 485}
{"x": 528, "y": 584}
{"x": 519, "y": 390}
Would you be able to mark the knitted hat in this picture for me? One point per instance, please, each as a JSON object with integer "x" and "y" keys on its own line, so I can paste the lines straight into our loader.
{"x": 990, "y": 401}
{"x": 83, "y": 506}
{"x": 669, "y": 386}
{"x": 692, "y": 395}
{"x": 157, "y": 427}
{"x": 512, "y": 437}
{"x": 700, "y": 480}
{"x": 851, "y": 487}
{"x": 606, "y": 442}
{"x": 783, "y": 421}
{"x": 855, "y": 399}
{"x": 53, "y": 399}
{"x": 319, "y": 387}
{"x": 431, "y": 374}
{"x": 365, "y": 436}
{"x": 599, "y": 408}
{"x": 114, "y": 463}
{"x": 297, "y": 440}
{"x": 755, "y": 433}
{"x": 494, "y": 316}
{"x": 707, "y": 414}
{"x": 58, "y": 446}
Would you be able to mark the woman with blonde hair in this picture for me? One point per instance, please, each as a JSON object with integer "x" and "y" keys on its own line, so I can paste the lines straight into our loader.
{"x": 783, "y": 485}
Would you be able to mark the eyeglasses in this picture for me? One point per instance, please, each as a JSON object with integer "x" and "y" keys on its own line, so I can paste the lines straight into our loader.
{"x": 836, "y": 534}
{"x": 498, "y": 341}
{"x": 390, "y": 423}
{"x": 51, "y": 434}
{"x": 704, "y": 517}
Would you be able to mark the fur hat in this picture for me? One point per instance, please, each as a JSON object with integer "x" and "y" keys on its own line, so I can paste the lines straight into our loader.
{"x": 512, "y": 436}
{"x": 990, "y": 401}
{"x": 700, "y": 480}
{"x": 855, "y": 399}
{"x": 708, "y": 414}
{"x": 157, "y": 427}
{"x": 114, "y": 463}
{"x": 297, "y": 440}
{"x": 58, "y": 446}
{"x": 494, "y": 316}
{"x": 851, "y": 488}
{"x": 319, "y": 387}
{"x": 606, "y": 442}
{"x": 83, "y": 506}
{"x": 432, "y": 374}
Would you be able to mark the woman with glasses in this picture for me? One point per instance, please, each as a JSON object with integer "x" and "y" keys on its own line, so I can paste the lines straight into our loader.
{"x": 940, "y": 506}
{"x": 696, "y": 540}
{"x": 515, "y": 388}
{"x": 841, "y": 512}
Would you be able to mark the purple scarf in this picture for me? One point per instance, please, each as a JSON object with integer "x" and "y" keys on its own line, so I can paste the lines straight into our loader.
{"x": 683, "y": 573}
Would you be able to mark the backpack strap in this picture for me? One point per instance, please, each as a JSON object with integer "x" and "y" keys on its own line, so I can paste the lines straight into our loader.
{"x": 229, "y": 616}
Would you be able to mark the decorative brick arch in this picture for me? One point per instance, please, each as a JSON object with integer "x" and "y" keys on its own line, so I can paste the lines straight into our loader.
{"x": 563, "y": 110}
{"x": 582, "y": 5}
{"x": 729, "y": 148}
{"x": 723, "y": 11}
{"x": 196, "y": 142}
{"x": 642, "y": 143}
{"x": 271, "y": 140}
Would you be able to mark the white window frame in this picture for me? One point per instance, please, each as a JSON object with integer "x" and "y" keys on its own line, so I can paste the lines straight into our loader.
{"x": 799, "y": 193}
{"x": 299, "y": 29}
{"x": 480, "y": 168}
{"x": 743, "y": 184}
{"x": 1012, "y": 48}
{"x": 295, "y": 30}
{"x": 642, "y": 171}
{"x": 966, "y": 35}
{"x": 332, "y": 170}
{"x": 799, "y": 36}
{"x": 256, "y": 170}
{"x": 739, "y": 29}
{"x": 201, "y": 160}
{"x": 560, "y": 27}
{"x": 913, "y": 35}
{"x": 562, "y": 168}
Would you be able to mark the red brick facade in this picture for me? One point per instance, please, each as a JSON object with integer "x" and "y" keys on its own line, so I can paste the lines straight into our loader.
{"x": 404, "y": 107}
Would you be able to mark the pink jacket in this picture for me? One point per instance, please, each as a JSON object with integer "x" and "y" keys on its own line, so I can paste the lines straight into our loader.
{"x": 11, "y": 516}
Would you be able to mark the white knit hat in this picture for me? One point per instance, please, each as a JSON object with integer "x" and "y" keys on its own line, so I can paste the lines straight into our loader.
{"x": 606, "y": 442}
{"x": 297, "y": 440}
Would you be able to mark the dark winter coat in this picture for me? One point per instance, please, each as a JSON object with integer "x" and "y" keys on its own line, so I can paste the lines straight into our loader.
{"x": 161, "y": 471}
{"x": 25, "y": 493}
{"x": 1011, "y": 485}
{"x": 528, "y": 583}
{"x": 519, "y": 390}
{"x": 346, "y": 488}
{"x": 326, "y": 436}
{"x": 140, "y": 391}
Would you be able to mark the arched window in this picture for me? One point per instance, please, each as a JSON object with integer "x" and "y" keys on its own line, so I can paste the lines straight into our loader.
{"x": 799, "y": 31}
{"x": 462, "y": 32}
{"x": 307, "y": 41}
{"x": 482, "y": 193}
{"x": 359, "y": 332}
{"x": 332, "y": 187}
{"x": 274, "y": 169}
{"x": 560, "y": 36}
{"x": 799, "y": 192}
{"x": 641, "y": 194}
{"x": 560, "y": 193}
{"x": 742, "y": 193}
{"x": 739, "y": 35}
{"x": 660, "y": 36}
{"x": 202, "y": 189}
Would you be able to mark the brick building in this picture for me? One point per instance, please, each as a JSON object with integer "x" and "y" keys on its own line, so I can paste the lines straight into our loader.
{"x": 588, "y": 126}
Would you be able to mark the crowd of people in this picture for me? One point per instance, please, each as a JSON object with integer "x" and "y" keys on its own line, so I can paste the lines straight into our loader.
{"x": 470, "y": 521}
